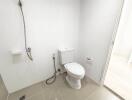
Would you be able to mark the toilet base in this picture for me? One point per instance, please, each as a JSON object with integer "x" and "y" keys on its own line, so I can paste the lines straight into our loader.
{"x": 74, "y": 83}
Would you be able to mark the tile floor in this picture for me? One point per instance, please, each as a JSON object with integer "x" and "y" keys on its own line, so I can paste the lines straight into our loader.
{"x": 60, "y": 90}
{"x": 3, "y": 91}
{"x": 119, "y": 76}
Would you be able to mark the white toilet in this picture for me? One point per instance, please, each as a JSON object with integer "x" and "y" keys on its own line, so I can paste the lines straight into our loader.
{"x": 75, "y": 72}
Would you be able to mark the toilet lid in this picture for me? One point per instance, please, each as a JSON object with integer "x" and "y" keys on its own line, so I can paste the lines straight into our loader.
{"x": 75, "y": 68}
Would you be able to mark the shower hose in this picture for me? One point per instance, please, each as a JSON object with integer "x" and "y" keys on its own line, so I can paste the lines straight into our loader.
{"x": 50, "y": 80}
{"x": 28, "y": 49}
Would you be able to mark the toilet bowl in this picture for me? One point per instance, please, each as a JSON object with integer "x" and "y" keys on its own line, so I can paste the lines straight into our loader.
{"x": 75, "y": 72}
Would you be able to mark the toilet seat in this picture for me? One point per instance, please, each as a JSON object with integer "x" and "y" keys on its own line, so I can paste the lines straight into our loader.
{"x": 75, "y": 69}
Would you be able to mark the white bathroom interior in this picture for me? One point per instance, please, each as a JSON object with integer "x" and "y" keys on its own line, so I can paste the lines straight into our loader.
{"x": 72, "y": 36}
{"x": 118, "y": 77}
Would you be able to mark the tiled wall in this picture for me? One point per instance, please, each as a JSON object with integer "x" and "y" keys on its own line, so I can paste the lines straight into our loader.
{"x": 3, "y": 91}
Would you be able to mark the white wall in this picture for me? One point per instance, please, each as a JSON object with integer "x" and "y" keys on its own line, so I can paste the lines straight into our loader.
{"x": 98, "y": 21}
{"x": 51, "y": 24}
{"x": 123, "y": 43}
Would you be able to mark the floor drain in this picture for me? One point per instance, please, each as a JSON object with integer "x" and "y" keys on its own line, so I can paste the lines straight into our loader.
{"x": 22, "y": 97}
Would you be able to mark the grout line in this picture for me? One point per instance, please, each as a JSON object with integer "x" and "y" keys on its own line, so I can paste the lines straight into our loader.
{"x": 112, "y": 91}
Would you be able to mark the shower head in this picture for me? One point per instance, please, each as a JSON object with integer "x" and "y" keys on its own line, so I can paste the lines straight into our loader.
{"x": 20, "y": 3}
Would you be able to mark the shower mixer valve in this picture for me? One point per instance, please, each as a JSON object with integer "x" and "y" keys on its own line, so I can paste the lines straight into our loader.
{"x": 29, "y": 54}
{"x": 28, "y": 49}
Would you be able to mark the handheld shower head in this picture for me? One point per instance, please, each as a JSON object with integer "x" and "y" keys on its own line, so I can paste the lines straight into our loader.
{"x": 20, "y": 3}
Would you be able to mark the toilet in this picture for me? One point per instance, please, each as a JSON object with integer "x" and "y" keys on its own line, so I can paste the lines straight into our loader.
{"x": 75, "y": 71}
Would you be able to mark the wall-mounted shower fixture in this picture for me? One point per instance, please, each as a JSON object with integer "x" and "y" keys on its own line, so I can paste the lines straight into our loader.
{"x": 28, "y": 49}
